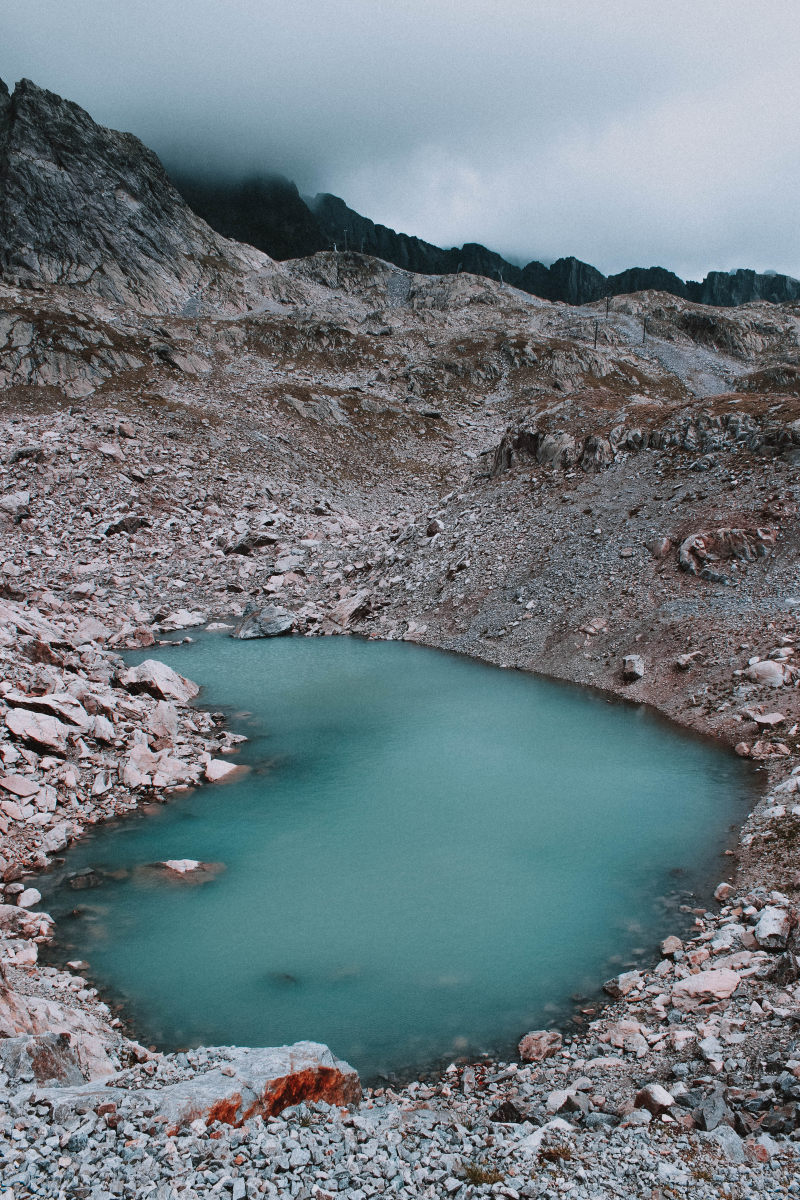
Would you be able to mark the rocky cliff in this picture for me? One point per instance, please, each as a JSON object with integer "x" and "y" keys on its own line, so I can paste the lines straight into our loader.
{"x": 84, "y": 206}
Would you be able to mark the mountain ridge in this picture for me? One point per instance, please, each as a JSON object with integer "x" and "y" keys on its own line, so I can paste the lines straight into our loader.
{"x": 293, "y": 226}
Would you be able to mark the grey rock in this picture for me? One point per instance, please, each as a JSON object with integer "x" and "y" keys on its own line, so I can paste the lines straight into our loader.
{"x": 267, "y": 622}
{"x": 633, "y": 667}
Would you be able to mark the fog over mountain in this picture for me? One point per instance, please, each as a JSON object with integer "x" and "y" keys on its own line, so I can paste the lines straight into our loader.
{"x": 619, "y": 133}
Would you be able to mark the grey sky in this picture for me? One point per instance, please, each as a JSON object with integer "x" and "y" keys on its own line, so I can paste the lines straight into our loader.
{"x": 627, "y": 132}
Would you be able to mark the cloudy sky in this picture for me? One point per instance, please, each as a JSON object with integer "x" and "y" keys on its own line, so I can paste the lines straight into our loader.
{"x": 626, "y": 132}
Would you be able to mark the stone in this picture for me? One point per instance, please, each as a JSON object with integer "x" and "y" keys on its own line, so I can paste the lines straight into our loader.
{"x": 707, "y": 985}
{"x": 217, "y": 769}
{"x": 29, "y": 898}
{"x": 40, "y": 730}
{"x": 633, "y": 667}
{"x": 33, "y": 1015}
{"x": 48, "y": 1058}
{"x": 183, "y": 618}
{"x": 163, "y": 721}
{"x": 711, "y": 1111}
{"x": 18, "y": 785}
{"x": 671, "y": 945}
{"x": 62, "y": 705}
{"x": 722, "y": 892}
{"x": 159, "y": 680}
{"x": 622, "y": 984}
{"x": 540, "y": 1044}
{"x": 700, "y": 549}
{"x": 181, "y": 865}
{"x": 267, "y": 622}
{"x": 773, "y": 928}
{"x": 91, "y": 630}
{"x": 659, "y": 547}
{"x": 348, "y": 609}
{"x": 261, "y": 1082}
{"x": 767, "y": 672}
{"x": 655, "y": 1098}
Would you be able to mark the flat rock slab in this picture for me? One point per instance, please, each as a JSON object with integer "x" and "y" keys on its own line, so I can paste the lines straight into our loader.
{"x": 160, "y": 681}
{"x": 42, "y": 731}
{"x": 708, "y": 985}
{"x": 263, "y": 1082}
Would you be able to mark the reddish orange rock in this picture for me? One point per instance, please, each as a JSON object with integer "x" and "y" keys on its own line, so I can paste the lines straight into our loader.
{"x": 260, "y": 1082}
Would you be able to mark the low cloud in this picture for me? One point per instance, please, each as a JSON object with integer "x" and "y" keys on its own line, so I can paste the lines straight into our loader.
{"x": 625, "y": 133}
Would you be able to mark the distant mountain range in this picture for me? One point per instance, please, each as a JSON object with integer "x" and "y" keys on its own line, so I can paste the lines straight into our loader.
{"x": 270, "y": 214}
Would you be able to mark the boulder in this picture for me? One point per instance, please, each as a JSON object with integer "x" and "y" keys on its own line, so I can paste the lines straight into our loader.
{"x": 351, "y": 607}
{"x": 633, "y": 667}
{"x": 49, "y": 1059}
{"x": 160, "y": 681}
{"x": 655, "y": 1098}
{"x": 163, "y": 721}
{"x": 773, "y": 927}
{"x": 700, "y": 549}
{"x": 771, "y": 673}
{"x": 217, "y": 769}
{"x": 716, "y": 984}
{"x": 184, "y": 618}
{"x": 540, "y": 1044}
{"x": 261, "y": 1082}
{"x": 42, "y": 731}
{"x": 267, "y": 622}
{"x": 19, "y": 785}
{"x": 62, "y": 705}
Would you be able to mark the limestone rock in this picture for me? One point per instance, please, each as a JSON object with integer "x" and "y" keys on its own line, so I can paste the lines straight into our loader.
{"x": 698, "y": 550}
{"x": 707, "y": 985}
{"x": 262, "y": 1082}
{"x": 769, "y": 672}
{"x": 160, "y": 681}
{"x": 351, "y": 607}
{"x": 33, "y": 1015}
{"x": 267, "y": 622}
{"x": 40, "y": 730}
{"x": 633, "y": 667}
{"x": 773, "y": 927}
{"x": 217, "y": 769}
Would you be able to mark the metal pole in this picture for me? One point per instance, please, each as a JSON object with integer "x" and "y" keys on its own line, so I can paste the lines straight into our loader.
{"x": 644, "y": 330}
{"x": 596, "y": 326}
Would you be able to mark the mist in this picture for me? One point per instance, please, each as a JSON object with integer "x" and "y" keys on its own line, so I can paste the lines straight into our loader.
{"x": 623, "y": 133}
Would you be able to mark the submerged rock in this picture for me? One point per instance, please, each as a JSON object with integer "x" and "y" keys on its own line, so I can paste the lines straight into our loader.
{"x": 270, "y": 621}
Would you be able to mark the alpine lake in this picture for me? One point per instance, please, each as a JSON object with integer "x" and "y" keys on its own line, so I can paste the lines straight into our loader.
{"x": 425, "y": 858}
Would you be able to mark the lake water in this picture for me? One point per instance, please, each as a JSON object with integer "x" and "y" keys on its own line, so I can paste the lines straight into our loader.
{"x": 427, "y": 858}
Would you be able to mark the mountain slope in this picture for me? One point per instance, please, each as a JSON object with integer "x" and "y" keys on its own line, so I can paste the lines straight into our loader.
{"x": 88, "y": 206}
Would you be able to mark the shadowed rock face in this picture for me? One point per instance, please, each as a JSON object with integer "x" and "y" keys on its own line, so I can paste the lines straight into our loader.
{"x": 84, "y": 205}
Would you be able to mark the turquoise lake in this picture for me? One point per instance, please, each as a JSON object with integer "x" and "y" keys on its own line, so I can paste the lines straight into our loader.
{"x": 427, "y": 858}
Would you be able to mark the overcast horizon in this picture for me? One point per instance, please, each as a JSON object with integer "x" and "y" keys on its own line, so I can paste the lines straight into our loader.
{"x": 624, "y": 134}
